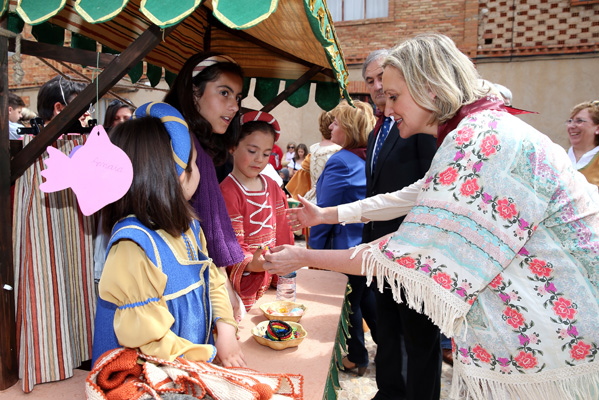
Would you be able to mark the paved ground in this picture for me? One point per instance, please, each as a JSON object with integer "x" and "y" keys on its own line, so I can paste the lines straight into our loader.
{"x": 354, "y": 387}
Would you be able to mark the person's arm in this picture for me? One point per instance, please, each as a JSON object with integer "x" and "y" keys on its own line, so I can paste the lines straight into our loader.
{"x": 282, "y": 260}
{"x": 142, "y": 319}
{"x": 381, "y": 207}
{"x": 229, "y": 352}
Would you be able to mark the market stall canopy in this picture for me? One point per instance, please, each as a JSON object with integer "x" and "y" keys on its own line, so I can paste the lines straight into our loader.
{"x": 282, "y": 39}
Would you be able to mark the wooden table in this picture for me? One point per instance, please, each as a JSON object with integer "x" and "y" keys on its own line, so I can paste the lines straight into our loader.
{"x": 322, "y": 292}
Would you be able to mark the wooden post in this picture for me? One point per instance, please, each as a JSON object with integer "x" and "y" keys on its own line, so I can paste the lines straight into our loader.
{"x": 10, "y": 170}
{"x": 9, "y": 370}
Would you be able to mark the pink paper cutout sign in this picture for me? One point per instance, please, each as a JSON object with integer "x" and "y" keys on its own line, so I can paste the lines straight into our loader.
{"x": 99, "y": 172}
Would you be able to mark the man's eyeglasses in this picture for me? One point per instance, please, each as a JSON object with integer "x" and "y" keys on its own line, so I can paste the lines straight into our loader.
{"x": 576, "y": 121}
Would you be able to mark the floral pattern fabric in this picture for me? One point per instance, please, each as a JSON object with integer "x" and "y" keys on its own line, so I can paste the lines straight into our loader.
{"x": 501, "y": 251}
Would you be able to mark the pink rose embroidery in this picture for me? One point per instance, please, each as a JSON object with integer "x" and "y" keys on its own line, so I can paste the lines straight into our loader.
{"x": 469, "y": 187}
{"x": 562, "y": 307}
{"x": 580, "y": 350}
{"x": 481, "y": 353}
{"x": 443, "y": 279}
{"x": 514, "y": 318}
{"x": 448, "y": 176}
{"x": 488, "y": 145}
{"x": 464, "y": 135}
{"x": 538, "y": 267}
{"x": 407, "y": 262}
{"x": 526, "y": 360}
{"x": 496, "y": 281}
{"x": 506, "y": 209}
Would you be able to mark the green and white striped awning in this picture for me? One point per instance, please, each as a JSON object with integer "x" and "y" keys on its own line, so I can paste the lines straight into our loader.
{"x": 280, "y": 39}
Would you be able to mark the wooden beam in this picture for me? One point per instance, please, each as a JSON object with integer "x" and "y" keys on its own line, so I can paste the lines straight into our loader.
{"x": 59, "y": 53}
{"x": 108, "y": 78}
{"x": 9, "y": 368}
{"x": 292, "y": 88}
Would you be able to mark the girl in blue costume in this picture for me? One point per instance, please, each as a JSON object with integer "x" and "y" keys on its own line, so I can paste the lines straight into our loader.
{"x": 159, "y": 291}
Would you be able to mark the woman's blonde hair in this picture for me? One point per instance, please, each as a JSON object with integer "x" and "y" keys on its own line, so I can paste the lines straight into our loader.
{"x": 432, "y": 64}
{"x": 356, "y": 122}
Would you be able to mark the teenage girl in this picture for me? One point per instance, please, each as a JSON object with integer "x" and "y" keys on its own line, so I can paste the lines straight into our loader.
{"x": 207, "y": 91}
{"x": 159, "y": 290}
{"x": 256, "y": 205}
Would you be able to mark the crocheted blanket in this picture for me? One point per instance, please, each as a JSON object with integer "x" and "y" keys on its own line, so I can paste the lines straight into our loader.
{"x": 127, "y": 374}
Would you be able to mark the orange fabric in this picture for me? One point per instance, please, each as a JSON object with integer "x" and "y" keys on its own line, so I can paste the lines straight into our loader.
{"x": 196, "y": 379}
{"x": 300, "y": 183}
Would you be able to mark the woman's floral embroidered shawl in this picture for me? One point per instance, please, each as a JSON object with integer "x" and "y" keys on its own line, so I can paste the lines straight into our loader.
{"x": 501, "y": 252}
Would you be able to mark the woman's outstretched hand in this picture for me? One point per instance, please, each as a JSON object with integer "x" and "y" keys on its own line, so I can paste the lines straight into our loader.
{"x": 305, "y": 216}
{"x": 282, "y": 260}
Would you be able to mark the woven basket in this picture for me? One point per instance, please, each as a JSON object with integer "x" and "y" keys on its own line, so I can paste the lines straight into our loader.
{"x": 259, "y": 330}
{"x": 277, "y": 305}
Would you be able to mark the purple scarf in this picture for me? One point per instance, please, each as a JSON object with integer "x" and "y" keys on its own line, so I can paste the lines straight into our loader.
{"x": 209, "y": 204}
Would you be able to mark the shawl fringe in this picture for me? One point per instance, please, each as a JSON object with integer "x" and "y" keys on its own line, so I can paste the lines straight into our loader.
{"x": 422, "y": 294}
{"x": 568, "y": 383}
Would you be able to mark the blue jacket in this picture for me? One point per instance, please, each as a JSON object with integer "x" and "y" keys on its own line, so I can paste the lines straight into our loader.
{"x": 342, "y": 181}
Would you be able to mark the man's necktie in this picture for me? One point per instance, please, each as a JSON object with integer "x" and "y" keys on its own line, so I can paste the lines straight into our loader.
{"x": 380, "y": 139}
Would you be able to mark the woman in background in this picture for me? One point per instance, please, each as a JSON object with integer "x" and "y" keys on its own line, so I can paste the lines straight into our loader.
{"x": 583, "y": 133}
{"x": 343, "y": 181}
{"x": 117, "y": 112}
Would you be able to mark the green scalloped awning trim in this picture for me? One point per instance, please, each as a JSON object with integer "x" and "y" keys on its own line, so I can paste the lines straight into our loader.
{"x": 95, "y": 11}
{"x": 169, "y": 77}
{"x": 35, "y": 12}
{"x": 48, "y": 33}
{"x": 165, "y": 13}
{"x": 4, "y": 7}
{"x": 266, "y": 89}
{"x": 14, "y": 23}
{"x": 246, "y": 87}
{"x": 136, "y": 72}
{"x": 320, "y": 22}
{"x": 154, "y": 74}
{"x": 327, "y": 95}
{"x": 237, "y": 14}
{"x": 81, "y": 42}
{"x": 301, "y": 96}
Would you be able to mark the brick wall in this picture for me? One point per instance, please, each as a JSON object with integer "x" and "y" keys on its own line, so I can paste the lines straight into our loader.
{"x": 457, "y": 19}
{"x": 538, "y": 27}
{"x": 485, "y": 28}
{"x": 38, "y": 72}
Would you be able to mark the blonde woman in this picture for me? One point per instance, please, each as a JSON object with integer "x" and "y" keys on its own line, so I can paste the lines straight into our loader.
{"x": 499, "y": 247}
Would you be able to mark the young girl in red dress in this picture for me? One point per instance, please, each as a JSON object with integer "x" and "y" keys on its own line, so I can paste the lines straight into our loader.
{"x": 256, "y": 205}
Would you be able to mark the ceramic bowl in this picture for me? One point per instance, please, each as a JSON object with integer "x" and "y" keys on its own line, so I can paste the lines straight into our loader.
{"x": 259, "y": 331}
{"x": 280, "y": 310}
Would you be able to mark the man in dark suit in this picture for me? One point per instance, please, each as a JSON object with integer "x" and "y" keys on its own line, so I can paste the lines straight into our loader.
{"x": 392, "y": 163}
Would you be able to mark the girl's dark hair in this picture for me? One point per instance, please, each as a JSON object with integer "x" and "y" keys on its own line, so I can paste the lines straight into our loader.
{"x": 303, "y": 147}
{"x": 181, "y": 96}
{"x": 113, "y": 107}
{"x": 155, "y": 196}
{"x": 250, "y": 127}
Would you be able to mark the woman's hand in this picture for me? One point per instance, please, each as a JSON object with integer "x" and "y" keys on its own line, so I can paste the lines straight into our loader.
{"x": 282, "y": 260}
{"x": 305, "y": 216}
